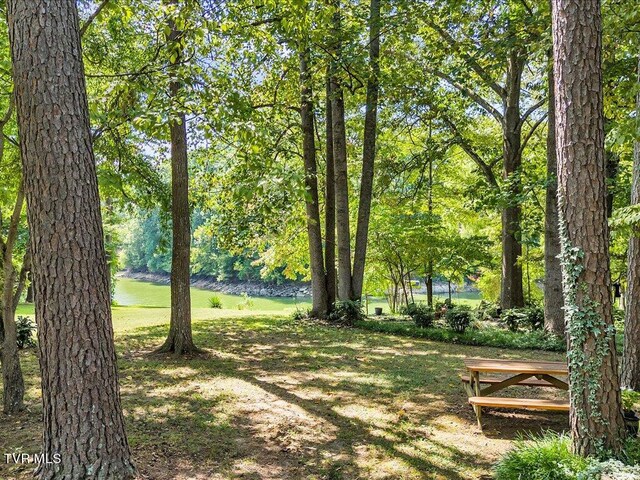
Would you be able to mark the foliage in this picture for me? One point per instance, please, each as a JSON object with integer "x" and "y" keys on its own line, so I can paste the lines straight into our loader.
{"x": 25, "y": 328}
{"x": 630, "y": 398}
{"x": 420, "y": 313}
{"x": 613, "y": 469}
{"x": 487, "y": 310}
{"x": 488, "y": 337}
{"x": 347, "y": 312}
{"x": 458, "y": 318}
{"x": 545, "y": 457}
{"x": 530, "y": 318}
{"x": 300, "y": 314}
{"x": 215, "y": 302}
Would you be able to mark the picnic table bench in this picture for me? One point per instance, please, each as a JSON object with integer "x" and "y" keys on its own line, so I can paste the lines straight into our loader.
{"x": 518, "y": 372}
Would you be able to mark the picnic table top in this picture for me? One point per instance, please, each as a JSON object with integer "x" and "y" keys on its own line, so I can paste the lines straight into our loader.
{"x": 515, "y": 366}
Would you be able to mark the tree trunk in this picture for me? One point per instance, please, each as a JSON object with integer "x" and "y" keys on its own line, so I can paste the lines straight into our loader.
{"x": 429, "y": 283}
{"x": 345, "y": 289}
{"x": 180, "y": 340}
{"x": 13, "y": 383}
{"x": 511, "y": 293}
{"x": 553, "y": 300}
{"x": 596, "y": 414}
{"x": 631, "y": 352}
{"x": 29, "y": 296}
{"x": 368, "y": 151}
{"x": 82, "y": 414}
{"x": 319, "y": 307}
{"x": 330, "y": 205}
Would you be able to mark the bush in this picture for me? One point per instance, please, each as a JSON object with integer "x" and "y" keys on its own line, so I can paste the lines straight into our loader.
{"x": 215, "y": 302}
{"x": 459, "y": 318}
{"x": 488, "y": 310}
{"x": 610, "y": 469}
{"x": 300, "y": 314}
{"x": 547, "y": 457}
{"x": 24, "y": 332}
{"x": 420, "y": 313}
{"x": 629, "y": 398}
{"x": 347, "y": 312}
{"x": 488, "y": 337}
{"x": 530, "y": 318}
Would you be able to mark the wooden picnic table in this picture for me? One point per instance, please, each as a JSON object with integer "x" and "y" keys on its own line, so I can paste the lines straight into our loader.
{"x": 518, "y": 372}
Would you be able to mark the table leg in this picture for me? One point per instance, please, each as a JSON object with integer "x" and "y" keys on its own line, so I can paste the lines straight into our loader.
{"x": 475, "y": 380}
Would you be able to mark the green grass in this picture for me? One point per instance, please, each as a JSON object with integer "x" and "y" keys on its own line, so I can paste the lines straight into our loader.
{"x": 136, "y": 293}
{"x": 130, "y": 292}
{"x": 274, "y": 398}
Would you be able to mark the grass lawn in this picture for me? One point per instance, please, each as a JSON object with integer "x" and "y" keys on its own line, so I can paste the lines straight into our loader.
{"x": 277, "y": 399}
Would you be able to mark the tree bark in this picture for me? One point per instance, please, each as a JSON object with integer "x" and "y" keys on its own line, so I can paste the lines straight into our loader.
{"x": 596, "y": 414}
{"x": 511, "y": 293}
{"x": 82, "y": 413}
{"x": 553, "y": 300}
{"x": 180, "y": 339}
{"x": 368, "y": 151}
{"x": 330, "y": 204}
{"x": 319, "y": 295}
{"x": 631, "y": 352}
{"x": 13, "y": 383}
{"x": 345, "y": 289}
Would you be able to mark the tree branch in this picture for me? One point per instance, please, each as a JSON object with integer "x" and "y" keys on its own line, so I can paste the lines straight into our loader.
{"x": 532, "y": 109}
{"x": 482, "y": 73}
{"x": 531, "y": 132}
{"x": 92, "y": 17}
{"x": 468, "y": 149}
{"x": 471, "y": 94}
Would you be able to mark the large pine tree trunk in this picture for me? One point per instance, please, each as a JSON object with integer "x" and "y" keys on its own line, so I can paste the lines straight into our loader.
{"x": 82, "y": 414}
{"x": 511, "y": 292}
{"x": 553, "y": 300}
{"x": 180, "y": 340}
{"x": 596, "y": 414}
{"x": 345, "y": 289}
{"x": 330, "y": 204}
{"x": 631, "y": 354}
{"x": 319, "y": 307}
{"x": 368, "y": 152}
{"x": 13, "y": 383}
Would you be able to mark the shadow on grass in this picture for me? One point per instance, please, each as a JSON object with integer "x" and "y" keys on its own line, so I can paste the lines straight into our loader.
{"x": 276, "y": 399}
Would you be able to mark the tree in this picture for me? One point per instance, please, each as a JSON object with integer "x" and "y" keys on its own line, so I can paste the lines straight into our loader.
{"x": 553, "y": 301}
{"x": 596, "y": 414}
{"x": 341, "y": 170}
{"x": 13, "y": 383}
{"x": 631, "y": 353}
{"x": 482, "y": 55}
{"x": 368, "y": 151}
{"x": 320, "y": 295}
{"x": 83, "y": 420}
{"x": 180, "y": 339}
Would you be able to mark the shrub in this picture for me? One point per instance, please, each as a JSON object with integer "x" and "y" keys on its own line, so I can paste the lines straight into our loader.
{"x": 215, "y": 302}
{"x": 547, "y": 457}
{"x": 488, "y": 310}
{"x": 347, "y": 312}
{"x": 300, "y": 314}
{"x": 489, "y": 337}
{"x": 629, "y": 398}
{"x": 420, "y": 313}
{"x": 24, "y": 332}
{"x": 530, "y": 318}
{"x": 610, "y": 469}
{"x": 459, "y": 318}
